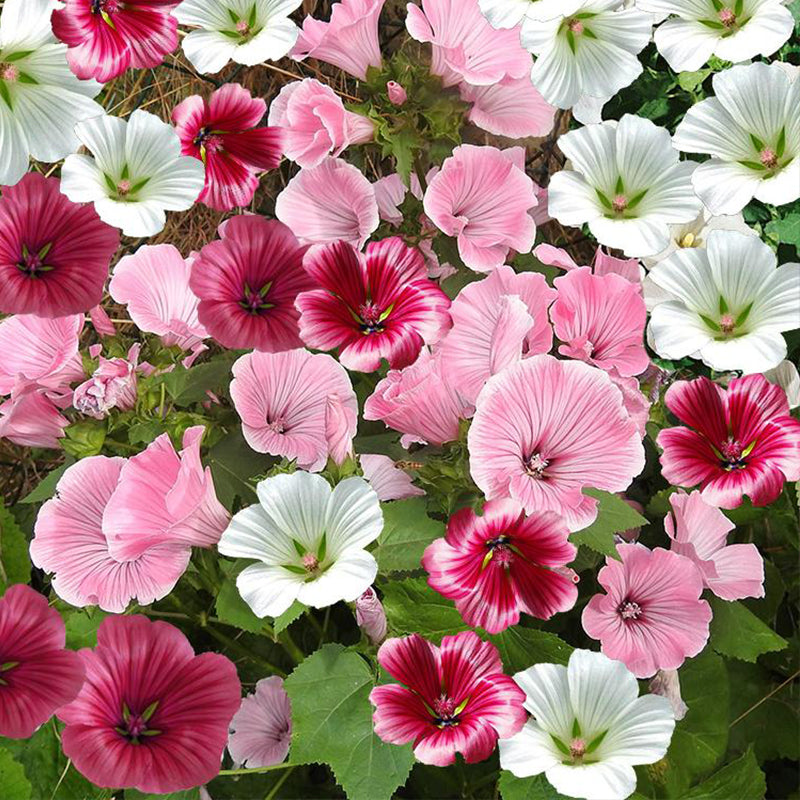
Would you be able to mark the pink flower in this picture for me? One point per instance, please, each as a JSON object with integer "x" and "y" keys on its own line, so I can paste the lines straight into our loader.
{"x": 604, "y": 264}
{"x": 601, "y": 319}
{"x": 482, "y": 197}
{"x": 388, "y": 479}
{"x": 70, "y": 541}
{"x": 247, "y": 282}
{"x": 652, "y": 616}
{"x": 744, "y": 442}
{"x": 349, "y": 41}
{"x": 329, "y": 203}
{"x": 634, "y": 400}
{"x": 546, "y": 429}
{"x": 314, "y": 122}
{"x": 106, "y": 37}
{"x": 371, "y": 617}
{"x": 224, "y": 133}
{"x": 452, "y": 698}
{"x": 151, "y": 715}
{"x": 154, "y": 284}
{"x": 54, "y": 254}
{"x": 510, "y": 107}
{"x": 396, "y": 93}
{"x": 375, "y": 306}
{"x": 37, "y": 675}
{"x": 30, "y": 419}
{"x": 261, "y": 729}
{"x": 418, "y": 402}
{"x": 700, "y": 532}
{"x": 101, "y": 322}
{"x": 502, "y": 563}
{"x": 164, "y": 496}
{"x": 465, "y": 46}
{"x": 112, "y": 385}
{"x": 295, "y": 404}
{"x": 496, "y": 321}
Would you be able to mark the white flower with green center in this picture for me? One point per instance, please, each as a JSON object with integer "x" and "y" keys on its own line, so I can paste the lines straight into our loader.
{"x": 728, "y": 304}
{"x": 752, "y": 131}
{"x": 626, "y": 182}
{"x": 40, "y": 99}
{"x": 245, "y": 31}
{"x": 308, "y": 541}
{"x": 136, "y": 174}
{"x": 589, "y": 727}
{"x": 734, "y": 30}
{"x": 510, "y": 13}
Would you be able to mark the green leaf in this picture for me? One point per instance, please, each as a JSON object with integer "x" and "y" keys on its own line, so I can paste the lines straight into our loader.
{"x": 12, "y": 778}
{"x": 232, "y": 464}
{"x": 689, "y": 81}
{"x": 283, "y": 621}
{"x": 82, "y": 625}
{"x": 15, "y": 565}
{"x": 536, "y": 788}
{"x": 189, "y": 794}
{"x": 234, "y": 611}
{"x": 332, "y": 723}
{"x": 786, "y": 230}
{"x": 521, "y": 648}
{"x": 738, "y": 633}
{"x": 84, "y": 438}
{"x": 412, "y": 606}
{"x": 741, "y": 779}
{"x": 188, "y": 386}
{"x": 47, "y": 486}
{"x": 407, "y": 531}
{"x": 613, "y": 516}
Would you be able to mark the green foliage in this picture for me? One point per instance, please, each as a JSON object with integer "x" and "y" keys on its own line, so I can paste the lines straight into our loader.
{"x": 15, "y": 565}
{"x": 534, "y": 788}
{"x": 82, "y": 625}
{"x": 292, "y": 613}
{"x": 412, "y": 606}
{"x": 786, "y": 230}
{"x": 521, "y": 648}
{"x": 46, "y": 488}
{"x": 12, "y": 778}
{"x": 738, "y": 633}
{"x": 85, "y": 438}
{"x": 234, "y": 611}
{"x": 233, "y": 465}
{"x": 407, "y": 531}
{"x": 741, "y": 779}
{"x": 613, "y": 516}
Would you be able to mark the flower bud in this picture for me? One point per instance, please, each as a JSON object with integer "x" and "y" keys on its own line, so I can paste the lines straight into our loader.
{"x": 397, "y": 94}
{"x": 371, "y": 617}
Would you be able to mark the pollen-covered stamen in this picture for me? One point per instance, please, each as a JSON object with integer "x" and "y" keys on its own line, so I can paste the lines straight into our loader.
{"x": 208, "y": 140}
{"x": 123, "y": 187}
{"x": 630, "y": 610}
{"x": 242, "y": 28}
{"x": 619, "y": 203}
{"x": 575, "y": 26}
{"x": 535, "y": 465}
{"x": 255, "y": 302}
{"x": 689, "y": 240}
{"x": 727, "y": 324}
{"x": 446, "y": 711}
{"x": 8, "y": 72}
{"x": 277, "y": 425}
{"x": 310, "y": 562}
{"x": 371, "y": 317}
{"x": 727, "y": 16}
{"x": 768, "y": 157}
{"x": 733, "y": 454}
{"x": 135, "y": 726}
{"x": 105, "y": 6}
{"x": 577, "y": 748}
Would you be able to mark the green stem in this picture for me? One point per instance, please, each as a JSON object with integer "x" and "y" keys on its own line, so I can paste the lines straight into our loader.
{"x": 255, "y": 770}
{"x": 242, "y": 651}
{"x": 274, "y": 791}
{"x": 291, "y": 648}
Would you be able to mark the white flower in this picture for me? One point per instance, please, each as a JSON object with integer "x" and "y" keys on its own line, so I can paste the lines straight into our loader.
{"x": 589, "y": 727}
{"x": 245, "y": 31}
{"x": 734, "y": 30}
{"x": 752, "y": 130}
{"x": 728, "y": 304}
{"x": 627, "y": 184}
{"x": 40, "y": 98}
{"x": 588, "y": 55}
{"x": 137, "y": 172}
{"x": 309, "y": 540}
{"x": 510, "y": 13}
{"x": 787, "y": 377}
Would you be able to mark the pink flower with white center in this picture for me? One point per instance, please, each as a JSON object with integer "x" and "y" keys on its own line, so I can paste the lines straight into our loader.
{"x": 371, "y": 617}
{"x": 379, "y": 305}
{"x": 452, "y": 698}
{"x": 601, "y": 319}
{"x": 465, "y": 46}
{"x": 30, "y": 419}
{"x": 107, "y": 37}
{"x": 348, "y": 41}
{"x": 418, "y": 402}
{"x": 294, "y": 404}
{"x": 261, "y": 729}
{"x": 652, "y": 616}
{"x": 70, "y": 543}
{"x": 546, "y": 429}
{"x": 396, "y": 93}
{"x": 700, "y": 532}
{"x": 603, "y": 264}
{"x": 329, "y": 203}
{"x": 37, "y": 675}
{"x": 112, "y": 385}
{"x": 151, "y": 715}
{"x": 503, "y": 563}
{"x": 387, "y": 478}
{"x": 247, "y": 282}
{"x": 741, "y": 441}
{"x": 496, "y": 321}
{"x": 314, "y": 122}
{"x": 224, "y": 133}
{"x": 482, "y": 197}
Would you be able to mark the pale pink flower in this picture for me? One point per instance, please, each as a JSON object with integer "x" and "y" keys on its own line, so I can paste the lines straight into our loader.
{"x": 482, "y": 197}
{"x": 699, "y": 531}
{"x": 112, "y": 385}
{"x": 496, "y": 321}
{"x": 388, "y": 480}
{"x": 287, "y": 402}
{"x": 666, "y": 683}
{"x": 396, "y": 93}
{"x": 546, "y": 429}
{"x": 371, "y": 617}
{"x": 652, "y": 616}
{"x": 327, "y": 203}
{"x": 261, "y": 729}
{"x": 349, "y": 41}
{"x": 30, "y": 419}
{"x": 634, "y": 400}
{"x": 604, "y": 264}
{"x": 315, "y": 123}
{"x": 101, "y": 322}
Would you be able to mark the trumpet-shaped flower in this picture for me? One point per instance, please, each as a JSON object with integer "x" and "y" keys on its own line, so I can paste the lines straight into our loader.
{"x": 388, "y": 478}
{"x": 261, "y": 729}
{"x": 30, "y": 418}
{"x": 112, "y": 385}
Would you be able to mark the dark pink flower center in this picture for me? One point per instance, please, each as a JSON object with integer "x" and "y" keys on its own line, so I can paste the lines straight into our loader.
{"x": 6, "y": 667}
{"x": 769, "y": 158}
{"x": 629, "y": 610}
{"x": 371, "y": 318}
{"x": 32, "y": 263}
{"x": 255, "y": 302}
{"x": 500, "y": 551}
{"x": 535, "y": 465}
{"x": 208, "y": 140}
{"x": 733, "y": 454}
{"x": 446, "y": 711}
{"x": 727, "y": 17}
{"x": 105, "y": 6}
{"x": 134, "y": 726}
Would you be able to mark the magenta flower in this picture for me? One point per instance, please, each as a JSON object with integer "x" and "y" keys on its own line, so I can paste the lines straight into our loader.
{"x": 37, "y": 675}
{"x": 482, "y": 196}
{"x": 106, "y": 37}
{"x": 261, "y": 729}
{"x": 375, "y": 306}
{"x": 652, "y": 616}
{"x": 296, "y": 405}
{"x": 601, "y": 319}
{"x": 151, "y": 715}
{"x": 371, "y": 617}
{"x": 112, "y": 385}
{"x": 349, "y": 41}
{"x": 29, "y": 417}
{"x": 54, "y": 254}
{"x": 742, "y": 440}
{"x": 700, "y": 532}
{"x": 502, "y": 563}
{"x": 70, "y": 541}
{"x": 224, "y": 133}
{"x": 452, "y": 698}
{"x": 247, "y": 282}
{"x": 545, "y": 429}
{"x": 388, "y": 480}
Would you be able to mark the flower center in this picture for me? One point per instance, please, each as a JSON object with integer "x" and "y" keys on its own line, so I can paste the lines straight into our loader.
{"x": 727, "y": 17}
{"x": 310, "y": 562}
{"x": 733, "y": 455}
{"x": 727, "y": 324}
{"x": 371, "y": 318}
{"x": 576, "y": 26}
{"x": 768, "y": 157}
{"x": 105, "y": 8}
{"x": 630, "y": 610}
{"x": 446, "y": 712}
{"x": 7, "y": 667}
{"x": 208, "y": 141}
{"x": 123, "y": 187}
{"x": 135, "y": 726}
{"x": 577, "y": 748}
{"x": 619, "y": 203}
{"x": 33, "y": 264}
{"x": 254, "y": 302}
{"x": 500, "y": 551}
{"x": 535, "y": 465}
{"x": 277, "y": 425}
{"x": 242, "y": 28}
{"x": 688, "y": 240}
{"x": 8, "y": 72}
